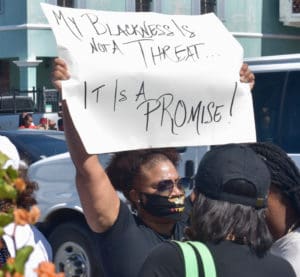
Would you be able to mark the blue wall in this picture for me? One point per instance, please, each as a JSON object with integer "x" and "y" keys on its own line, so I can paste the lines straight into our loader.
{"x": 252, "y": 22}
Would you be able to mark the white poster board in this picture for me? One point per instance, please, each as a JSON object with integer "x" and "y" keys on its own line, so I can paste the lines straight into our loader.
{"x": 141, "y": 80}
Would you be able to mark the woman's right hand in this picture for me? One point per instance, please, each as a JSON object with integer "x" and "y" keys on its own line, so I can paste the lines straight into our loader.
{"x": 59, "y": 73}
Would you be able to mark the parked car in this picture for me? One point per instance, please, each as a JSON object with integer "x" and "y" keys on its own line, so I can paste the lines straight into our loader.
{"x": 34, "y": 145}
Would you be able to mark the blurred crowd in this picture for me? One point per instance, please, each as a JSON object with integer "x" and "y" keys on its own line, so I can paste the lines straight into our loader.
{"x": 26, "y": 122}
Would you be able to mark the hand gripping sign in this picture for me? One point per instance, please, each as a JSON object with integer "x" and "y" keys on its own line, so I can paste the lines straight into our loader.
{"x": 141, "y": 80}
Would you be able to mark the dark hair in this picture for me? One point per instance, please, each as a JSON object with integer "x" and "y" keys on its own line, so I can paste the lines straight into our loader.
{"x": 216, "y": 220}
{"x": 27, "y": 116}
{"x": 285, "y": 174}
{"x": 125, "y": 166}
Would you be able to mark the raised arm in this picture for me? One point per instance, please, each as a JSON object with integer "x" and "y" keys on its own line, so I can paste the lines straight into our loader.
{"x": 99, "y": 200}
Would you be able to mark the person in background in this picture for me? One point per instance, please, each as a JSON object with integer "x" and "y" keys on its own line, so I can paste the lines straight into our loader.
{"x": 46, "y": 124}
{"x": 283, "y": 213}
{"x": 229, "y": 215}
{"x": 25, "y": 234}
{"x": 51, "y": 125}
{"x": 28, "y": 122}
{"x": 43, "y": 123}
{"x": 150, "y": 182}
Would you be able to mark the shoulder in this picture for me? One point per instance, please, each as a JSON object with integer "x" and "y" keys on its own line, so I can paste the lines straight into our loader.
{"x": 22, "y": 233}
{"x": 246, "y": 261}
{"x": 28, "y": 235}
{"x": 287, "y": 245}
{"x": 164, "y": 260}
{"x": 279, "y": 266}
{"x": 166, "y": 247}
{"x": 124, "y": 221}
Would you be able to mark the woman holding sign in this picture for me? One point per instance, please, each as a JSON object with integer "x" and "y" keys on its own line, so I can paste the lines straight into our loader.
{"x": 150, "y": 182}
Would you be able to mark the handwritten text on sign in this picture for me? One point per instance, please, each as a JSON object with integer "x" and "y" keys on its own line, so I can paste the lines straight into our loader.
{"x": 150, "y": 80}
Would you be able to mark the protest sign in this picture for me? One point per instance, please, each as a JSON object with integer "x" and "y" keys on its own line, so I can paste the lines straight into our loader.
{"x": 141, "y": 80}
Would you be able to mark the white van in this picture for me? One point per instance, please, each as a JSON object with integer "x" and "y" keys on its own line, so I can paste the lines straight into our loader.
{"x": 276, "y": 97}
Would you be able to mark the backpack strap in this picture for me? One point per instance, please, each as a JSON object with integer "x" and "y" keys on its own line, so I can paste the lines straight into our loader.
{"x": 207, "y": 258}
{"x": 190, "y": 259}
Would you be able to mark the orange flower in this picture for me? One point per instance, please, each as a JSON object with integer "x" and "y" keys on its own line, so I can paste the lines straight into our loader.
{"x": 10, "y": 260}
{"x": 23, "y": 217}
{"x": 47, "y": 269}
{"x": 20, "y": 184}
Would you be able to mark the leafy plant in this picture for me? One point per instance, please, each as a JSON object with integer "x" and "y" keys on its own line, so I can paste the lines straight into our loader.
{"x": 11, "y": 185}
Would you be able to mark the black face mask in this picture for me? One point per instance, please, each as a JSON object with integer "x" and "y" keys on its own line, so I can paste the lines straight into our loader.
{"x": 163, "y": 206}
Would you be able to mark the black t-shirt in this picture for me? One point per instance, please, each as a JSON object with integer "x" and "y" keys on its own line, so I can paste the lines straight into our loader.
{"x": 231, "y": 260}
{"x": 125, "y": 246}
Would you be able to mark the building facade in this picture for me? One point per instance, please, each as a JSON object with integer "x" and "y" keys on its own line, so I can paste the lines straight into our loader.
{"x": 27, "y": 45}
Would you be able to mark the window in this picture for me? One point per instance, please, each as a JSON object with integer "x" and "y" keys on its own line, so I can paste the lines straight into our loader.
{"x": 208, "y": 6}
{"x": 143, "y": 5}
{"x": 276, "y": 105}
{"x": 4, "y": 76}
{"x": 290, "y": 131}
{"x": 65, "y": 3}
{"x": 1, "y": 6}
{"x": 296, "y": 6}
{"x": 267, "y": 97}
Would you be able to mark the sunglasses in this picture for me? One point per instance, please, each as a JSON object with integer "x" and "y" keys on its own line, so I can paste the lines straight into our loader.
{"x": 167, "y": 186}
